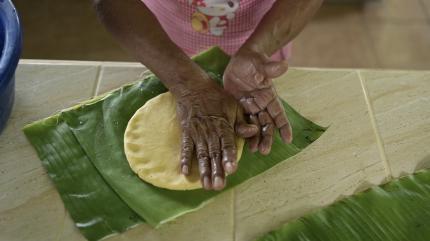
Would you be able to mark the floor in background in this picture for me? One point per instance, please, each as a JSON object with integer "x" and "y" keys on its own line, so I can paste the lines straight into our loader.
{"x": 392, "y": 34}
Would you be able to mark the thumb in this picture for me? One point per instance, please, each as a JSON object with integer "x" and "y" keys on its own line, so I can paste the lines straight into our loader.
{"x": 242, "y": 128}
{"x": 275, "y": 69}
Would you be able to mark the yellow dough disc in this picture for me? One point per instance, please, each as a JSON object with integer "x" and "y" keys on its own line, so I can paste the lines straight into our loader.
{"x": 152, "y": 145}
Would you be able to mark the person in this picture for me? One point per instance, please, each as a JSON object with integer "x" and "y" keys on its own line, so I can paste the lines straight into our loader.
{"x": 256, "y": 33}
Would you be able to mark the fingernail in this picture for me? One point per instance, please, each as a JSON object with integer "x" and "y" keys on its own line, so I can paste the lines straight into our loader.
{"x": 264, "y": 150}
{"x": 290, "y": 139}
{"x": 218, "y": 183}
{"x": 286, "y": 135}
{"x": 185, "y": 170}
{"x": 230, "y": 167}
{"x": 259, "y": 77}
{"x": 253, "y": 148}
{"x": 206, "y": 183}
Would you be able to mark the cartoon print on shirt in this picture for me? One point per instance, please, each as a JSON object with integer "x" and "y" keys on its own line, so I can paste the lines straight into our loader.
{"x": 213, "y": 16}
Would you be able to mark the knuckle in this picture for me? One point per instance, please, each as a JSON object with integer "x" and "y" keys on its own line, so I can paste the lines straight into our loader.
{"x": 263, "y": 96}
{"x": 253, "y": 119}
{"x": 229, "y": 155}
{"x": 267, "y": 130}
{"x": 185, "y": 161}
{"x": 184, "y": 124}
{"x": 249, "y": 105}
{"x": 187, "y": 148}
{"x": 215, "y": 156}
{"x": 214, "y": 147}
{"x": 204, "y": 173}
{"x": 217, "y": 169}
{"x": 186, "y": 156}
{"x": 227, "y": 143}
{"x": 225, "y": 127}
{"x": 187, "y": 144}
{"x": 204, "y": 166}
{"x": 281, "y": 120}
{"x": 264, "y": 118}
{"x": 202, "y": 157}
{"x": 201, "y": 147}
{"x": 274, "y": 108}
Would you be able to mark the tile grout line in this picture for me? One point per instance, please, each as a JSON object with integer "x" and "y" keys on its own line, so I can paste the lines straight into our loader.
{"x": 379, "y": 142}
{"x": 99, "y": 75}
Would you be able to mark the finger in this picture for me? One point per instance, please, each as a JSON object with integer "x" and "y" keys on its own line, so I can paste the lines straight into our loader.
{"x": 187, "y": 148}
{"x": 228, "y": 147}
{"x": 281, "y": 120}
{"x": 242, "y": 128}
{"x": 258, "y": 78}
{"x": 215, "y": 156}
{"x": 261, "y": 79}
{"x": 202, "y": 157}
{"x": 249, "y": 105}
{"x": 263, "y": 97}
{"x": 266, "y": 132}
{"x": 285, "y": 130}
{"x": 286, "y": 133}
{"x": 275, "y": 109}
{"x": 255, "y": 140}
{"x": 275, "y": 69}
{"x": 278, "y": 114}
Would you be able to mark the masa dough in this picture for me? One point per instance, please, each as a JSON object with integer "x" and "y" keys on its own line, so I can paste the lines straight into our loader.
{"x": 152, "y": 145}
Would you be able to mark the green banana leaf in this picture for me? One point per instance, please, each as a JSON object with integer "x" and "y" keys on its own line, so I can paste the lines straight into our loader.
{"x": 93, "y": 205}
{"x": 396, "y": 211}
{"x": 95, "y": 132}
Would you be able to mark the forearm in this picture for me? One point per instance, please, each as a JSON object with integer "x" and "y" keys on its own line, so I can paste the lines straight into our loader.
{"x": 139, "y": 32}
{"x": 281, "y": 24}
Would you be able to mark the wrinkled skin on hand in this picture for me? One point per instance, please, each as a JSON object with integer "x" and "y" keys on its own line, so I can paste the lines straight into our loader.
{"x": 248, "y": 78}
{"x": 209, "y": 119}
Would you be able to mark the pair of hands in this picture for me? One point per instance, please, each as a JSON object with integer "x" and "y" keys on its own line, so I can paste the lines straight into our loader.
{"x": 206, "y": 114}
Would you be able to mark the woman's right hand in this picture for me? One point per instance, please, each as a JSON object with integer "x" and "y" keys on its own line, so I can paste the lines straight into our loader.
{"x": 248, "y": 77}
{"x": 210, "y": 121}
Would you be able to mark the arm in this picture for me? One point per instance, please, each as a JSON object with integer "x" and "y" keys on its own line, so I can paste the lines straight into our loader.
{"x": 139, "y": 32}
{"x": 281, "y": 24}
{"x": 249, "y": 75}
{"x": 204, "y": 109}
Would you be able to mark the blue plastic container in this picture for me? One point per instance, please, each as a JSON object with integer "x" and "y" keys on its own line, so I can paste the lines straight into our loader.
{"x": 10, "y": 50}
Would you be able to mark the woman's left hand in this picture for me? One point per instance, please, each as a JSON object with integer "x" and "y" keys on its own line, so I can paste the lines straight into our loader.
{"x": 248, "y": 77}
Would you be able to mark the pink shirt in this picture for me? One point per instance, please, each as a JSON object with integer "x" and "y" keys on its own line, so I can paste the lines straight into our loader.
{"x": 195, "y": 25}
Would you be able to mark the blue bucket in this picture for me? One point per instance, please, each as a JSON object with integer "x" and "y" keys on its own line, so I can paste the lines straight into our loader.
{"x": 10, "y": 50}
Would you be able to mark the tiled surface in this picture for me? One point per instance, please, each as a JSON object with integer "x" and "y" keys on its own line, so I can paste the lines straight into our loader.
{"x": 408, "y": 46}
{"x": 401, "y": 103}
{"x": 37, "y": 219}
{"x": 113, "y": 77}
{"x": 29, "y": 204}
{"x": 212, "y": 223}
{"x": 344, "y": 159}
